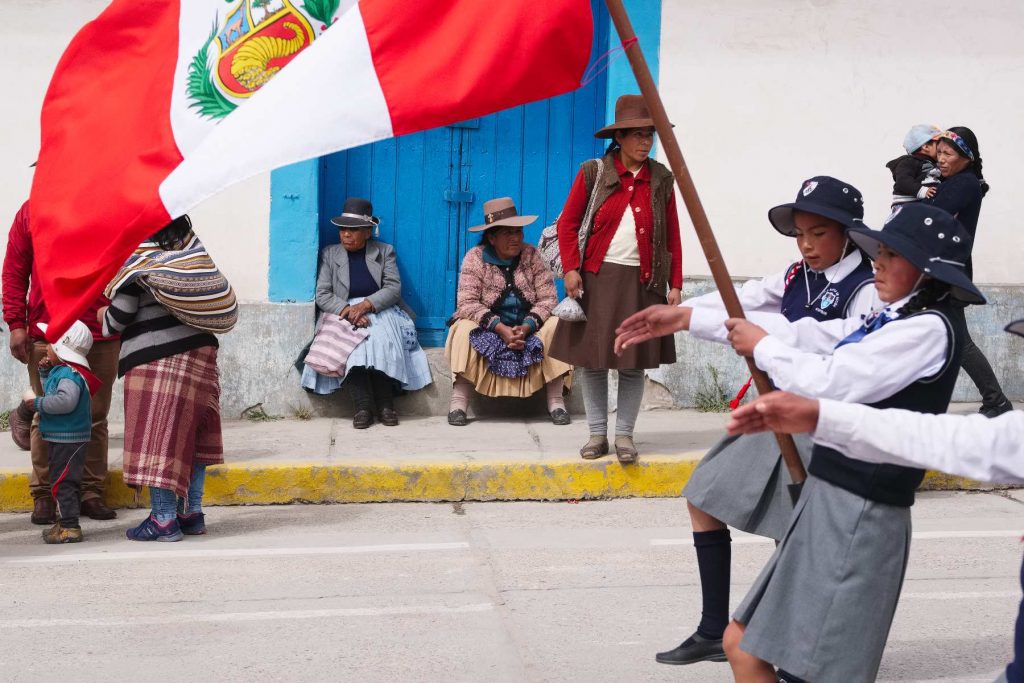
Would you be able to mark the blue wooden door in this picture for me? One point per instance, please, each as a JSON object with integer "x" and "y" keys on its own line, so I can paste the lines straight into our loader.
{"x": 429, "y": 187}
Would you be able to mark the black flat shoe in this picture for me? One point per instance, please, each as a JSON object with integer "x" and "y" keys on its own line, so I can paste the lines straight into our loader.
{"x": 362, "y": 419}
{"x": 996, "y": 410}
{"x": 388, "y": 417}
{"x": 457, "y": 418}
{"x": 560, "y": 416}
{"x": 694, "y": 649}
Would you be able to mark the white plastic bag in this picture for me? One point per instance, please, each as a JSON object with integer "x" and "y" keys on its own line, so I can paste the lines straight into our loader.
{"x": 569, "y": 310}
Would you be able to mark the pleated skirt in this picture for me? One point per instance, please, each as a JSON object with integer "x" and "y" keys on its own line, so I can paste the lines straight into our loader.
{"x": 823, "y": 605}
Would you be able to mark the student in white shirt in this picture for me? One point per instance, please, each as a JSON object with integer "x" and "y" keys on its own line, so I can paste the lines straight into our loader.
{"x": 965, "y": 445}
{"x": 822, "y": 607}
{"x": 741, "y": 482}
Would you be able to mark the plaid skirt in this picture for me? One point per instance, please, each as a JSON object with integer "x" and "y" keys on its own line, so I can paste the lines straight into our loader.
{"x": 172, "y": 419}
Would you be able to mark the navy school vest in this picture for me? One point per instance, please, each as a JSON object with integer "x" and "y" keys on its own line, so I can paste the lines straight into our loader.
{"x": 834, "y": 299}
{"x": 894, "y": 484}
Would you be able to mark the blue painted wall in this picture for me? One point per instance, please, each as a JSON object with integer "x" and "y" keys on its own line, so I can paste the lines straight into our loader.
{"x": 429, "y": 187}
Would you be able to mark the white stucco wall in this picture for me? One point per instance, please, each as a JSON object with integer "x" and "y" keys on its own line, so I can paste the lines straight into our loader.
{"x": 234, "y": 225}
{"x": 767, "y": 93}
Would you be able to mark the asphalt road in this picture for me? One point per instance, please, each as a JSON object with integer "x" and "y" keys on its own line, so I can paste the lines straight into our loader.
{"x": 483, "y": 591}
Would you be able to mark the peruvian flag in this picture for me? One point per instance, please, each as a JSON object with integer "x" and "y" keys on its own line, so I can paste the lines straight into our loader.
{"x": 158, "y": 104}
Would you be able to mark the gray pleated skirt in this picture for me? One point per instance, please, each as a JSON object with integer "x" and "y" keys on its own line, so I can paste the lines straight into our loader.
{"x": 742, "y": 481}
{"x": 822, "y": 607}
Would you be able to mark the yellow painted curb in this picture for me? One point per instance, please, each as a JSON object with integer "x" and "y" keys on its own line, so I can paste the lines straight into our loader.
{"x": 256, "y": 484}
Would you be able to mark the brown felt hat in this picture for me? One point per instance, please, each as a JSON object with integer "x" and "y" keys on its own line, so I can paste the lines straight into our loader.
{"x": 501, "y": 211}
{"x": 630, "y": 112}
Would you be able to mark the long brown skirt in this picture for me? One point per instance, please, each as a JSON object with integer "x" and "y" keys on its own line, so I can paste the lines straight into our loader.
{"x": 464, "y": 360}
{"x": 609, "y": 297}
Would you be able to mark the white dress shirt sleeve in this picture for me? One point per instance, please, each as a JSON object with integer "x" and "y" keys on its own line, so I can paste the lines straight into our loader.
{"x": 763, "y": 294}
{"x": 809, "y": 334}
{"x": 969, "y": 446}
{"x": 882, "y": 363}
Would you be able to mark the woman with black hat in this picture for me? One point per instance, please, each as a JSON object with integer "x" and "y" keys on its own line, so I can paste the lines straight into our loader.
{"x": 502, "y": 325}
{"x": 741, "y": 481}
{"x": 633, "y": 259}
{"x": 961, "y": 192}
{"x": 358, "y": 282}
{"x": 822, "y": 607}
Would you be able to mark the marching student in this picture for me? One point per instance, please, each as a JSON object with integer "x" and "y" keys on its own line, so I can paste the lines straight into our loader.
{"x": 822, "y": 607}
{"x": 736, "y": 484}
{"x": 973, "y": 446}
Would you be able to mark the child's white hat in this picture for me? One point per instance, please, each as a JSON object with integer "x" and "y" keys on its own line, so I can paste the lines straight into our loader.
{"x": 74, "y": 345}
{"x": 917, "y": 136}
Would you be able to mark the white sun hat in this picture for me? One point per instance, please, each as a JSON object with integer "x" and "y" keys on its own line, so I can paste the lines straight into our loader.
{"x": 74, "y": 345}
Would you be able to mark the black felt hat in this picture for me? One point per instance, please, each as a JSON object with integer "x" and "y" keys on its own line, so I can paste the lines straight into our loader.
{"x": 357, "y": 213}
{"x": 823, "y": 196}
{"x": 929, "y": 238}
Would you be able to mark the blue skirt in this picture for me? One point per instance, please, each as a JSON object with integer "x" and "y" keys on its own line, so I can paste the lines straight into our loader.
{"x": 392, "y": 347}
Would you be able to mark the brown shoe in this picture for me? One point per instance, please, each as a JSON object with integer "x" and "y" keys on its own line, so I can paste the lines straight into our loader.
{"x": 625, "y": 449}
{"x": 20, "y": 421}
{"x": 95, "y": 508}
{"x": 60, "y": 534}
{"x": 595, "y": 447}
{"x": 44, "y": 510}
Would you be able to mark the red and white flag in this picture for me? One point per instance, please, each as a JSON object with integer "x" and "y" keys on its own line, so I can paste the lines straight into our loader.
{"x": 158, "y": 104}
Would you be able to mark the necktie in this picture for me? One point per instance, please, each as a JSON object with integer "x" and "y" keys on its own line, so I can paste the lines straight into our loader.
{"x": 872, "y": 323}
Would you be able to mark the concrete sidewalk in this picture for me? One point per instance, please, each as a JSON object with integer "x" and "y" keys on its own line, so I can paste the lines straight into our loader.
{"x": 426, "y": 460}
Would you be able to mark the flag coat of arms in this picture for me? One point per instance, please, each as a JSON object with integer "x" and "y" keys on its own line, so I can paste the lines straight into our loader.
{"x": 158, "y": 104}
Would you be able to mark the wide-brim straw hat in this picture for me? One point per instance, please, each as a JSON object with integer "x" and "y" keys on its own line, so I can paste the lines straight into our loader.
{"x": 932, "y": 240}
{"x": 356, "y": 213}
{"x": 630, "y": 112}
{"x": 501, "y": 211}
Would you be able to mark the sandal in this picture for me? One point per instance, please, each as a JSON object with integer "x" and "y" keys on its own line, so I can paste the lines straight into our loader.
{"x": 625, "y": 449}
{"x": 595, "y": 447}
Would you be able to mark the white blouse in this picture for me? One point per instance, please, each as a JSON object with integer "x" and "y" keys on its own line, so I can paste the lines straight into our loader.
{"x": 988, "y": 449}
{"x": 624, "y": 249}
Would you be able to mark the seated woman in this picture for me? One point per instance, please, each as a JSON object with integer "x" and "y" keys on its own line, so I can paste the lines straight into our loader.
{"x": 359, "y": 283}
{"x": 502, "y": 324}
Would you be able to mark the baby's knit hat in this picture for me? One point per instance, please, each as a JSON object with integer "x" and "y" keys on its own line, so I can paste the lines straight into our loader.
{"x": 918, "y": 135}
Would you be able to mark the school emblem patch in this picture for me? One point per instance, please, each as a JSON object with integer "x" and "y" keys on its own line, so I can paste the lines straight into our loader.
{"x": 829, "y": 299}
{"x": 810, "y": 186}
{"x": 249, "y": 44}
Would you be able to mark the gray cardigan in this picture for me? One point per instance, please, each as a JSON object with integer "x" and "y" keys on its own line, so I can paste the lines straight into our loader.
{"x": 332, "y": 280}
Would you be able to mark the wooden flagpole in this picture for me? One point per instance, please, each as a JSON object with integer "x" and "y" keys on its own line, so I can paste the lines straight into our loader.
{"x": 723, "y": 281}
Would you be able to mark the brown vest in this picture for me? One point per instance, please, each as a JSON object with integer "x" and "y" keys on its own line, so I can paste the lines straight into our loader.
{"x": 661, "y": 189}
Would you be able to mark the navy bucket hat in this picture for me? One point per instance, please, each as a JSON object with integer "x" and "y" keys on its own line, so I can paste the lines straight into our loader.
{"x": 824, "y": 196}
{"x": 932, "y": 240}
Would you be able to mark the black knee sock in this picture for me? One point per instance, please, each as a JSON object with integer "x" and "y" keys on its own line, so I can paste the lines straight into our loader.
{"x": 358, "y": 383}
{"x": 714, "y": 560}
{"x": 383, "y": 390}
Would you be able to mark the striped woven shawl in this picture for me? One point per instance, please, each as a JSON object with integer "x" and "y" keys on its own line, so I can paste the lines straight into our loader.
{"x": 185, "y": 280}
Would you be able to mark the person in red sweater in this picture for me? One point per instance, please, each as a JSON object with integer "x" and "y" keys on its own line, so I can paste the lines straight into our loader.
{"x": 23, "y": 309}
{"x": 632, "y": 259}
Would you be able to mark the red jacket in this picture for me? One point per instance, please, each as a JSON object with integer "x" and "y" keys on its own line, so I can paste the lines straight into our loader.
{"x": 20, "y": 285}
{"x": 632, "y": 192}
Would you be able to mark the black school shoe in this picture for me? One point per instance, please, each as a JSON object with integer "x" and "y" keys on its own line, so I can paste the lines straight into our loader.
{"x": 694, "y": 649}
{"x": 996, "y": 410}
